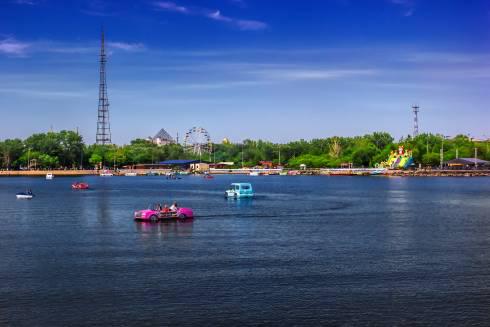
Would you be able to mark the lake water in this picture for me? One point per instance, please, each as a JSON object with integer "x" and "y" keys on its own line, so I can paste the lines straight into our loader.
{"x": 306, "y": 251}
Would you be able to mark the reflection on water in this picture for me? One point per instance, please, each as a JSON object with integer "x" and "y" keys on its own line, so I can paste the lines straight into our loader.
{"x": 240, "y": 202}
{"x": 103, "y": 197}
{"x": 166, "y": 228}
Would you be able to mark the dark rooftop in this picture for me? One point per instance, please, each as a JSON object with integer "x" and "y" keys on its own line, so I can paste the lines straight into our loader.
{"x": 468, "y": 161}
{"x": 178, "y": 162}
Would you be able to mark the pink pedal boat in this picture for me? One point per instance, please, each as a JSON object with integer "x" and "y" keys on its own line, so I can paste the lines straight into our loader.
{"x": 79, "y": 186}
{"x": 155, "y": 215}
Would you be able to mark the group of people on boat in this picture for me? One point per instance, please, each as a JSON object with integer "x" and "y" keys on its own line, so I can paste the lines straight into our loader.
{"x": 166, "y": 209}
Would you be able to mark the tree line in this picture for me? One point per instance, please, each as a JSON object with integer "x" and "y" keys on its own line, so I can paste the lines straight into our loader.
{"x": 66, "y": 149}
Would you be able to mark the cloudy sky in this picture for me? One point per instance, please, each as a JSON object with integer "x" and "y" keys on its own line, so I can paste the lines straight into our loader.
{"x": 271, "y": 69}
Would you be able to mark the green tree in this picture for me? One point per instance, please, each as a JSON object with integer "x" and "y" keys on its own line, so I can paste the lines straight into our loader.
{"x": 363, "y": 156}
{"x": 95, "y": 159}
{"x": 10, "y": 151}
{"x": 47, "y": 161}
{"x": 431, "y": 159}
{"x": 380, "y": 139}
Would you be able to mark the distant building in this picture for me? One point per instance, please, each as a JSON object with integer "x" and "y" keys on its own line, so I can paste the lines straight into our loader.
{"x": 167, "y": 164}
{"x": 199, "y": 167}
{"x": 266, "y": 164}
{"x": 179, "y": 163}
{"x": 474, "y": 139}
{"x": 222, "y": 165}
{"x": 462, "y": 163}
{"x": 162, "y": 138}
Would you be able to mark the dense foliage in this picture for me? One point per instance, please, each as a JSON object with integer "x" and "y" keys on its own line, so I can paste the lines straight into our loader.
{"x": 66, "y": 149}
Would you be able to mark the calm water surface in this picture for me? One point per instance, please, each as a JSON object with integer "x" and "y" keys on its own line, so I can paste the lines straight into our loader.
{"x": 306, "y": 251}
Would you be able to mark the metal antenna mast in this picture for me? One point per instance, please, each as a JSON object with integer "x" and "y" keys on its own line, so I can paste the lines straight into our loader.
{"x": 415, "y": 121}
{"x": 103, "y": 136}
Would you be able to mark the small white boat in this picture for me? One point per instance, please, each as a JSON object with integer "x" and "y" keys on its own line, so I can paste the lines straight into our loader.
{"x": 106, "y": 173}
{"x": 132, "y": 174}
{"x": 24, "y": 195}
{"x": 49, "y": 176}
{"x": 254, "y": 173}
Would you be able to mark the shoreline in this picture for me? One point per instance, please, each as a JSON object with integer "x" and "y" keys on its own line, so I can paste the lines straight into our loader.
{"x": 308, "y": 172}
{"x": 439, "y": 173}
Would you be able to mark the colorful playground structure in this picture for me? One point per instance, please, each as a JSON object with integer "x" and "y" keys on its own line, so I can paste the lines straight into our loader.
{"x": 401, "y": 159}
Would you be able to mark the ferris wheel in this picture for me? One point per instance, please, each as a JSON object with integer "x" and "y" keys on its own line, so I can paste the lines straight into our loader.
{"x": 197, "y": 141}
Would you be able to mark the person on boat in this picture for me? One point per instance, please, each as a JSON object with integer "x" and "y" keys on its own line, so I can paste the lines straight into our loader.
{"x": 174, "y": 207}
{"x": 165, "y": 209}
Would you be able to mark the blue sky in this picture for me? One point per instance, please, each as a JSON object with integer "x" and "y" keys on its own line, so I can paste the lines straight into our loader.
{"x": 270, "y": 69}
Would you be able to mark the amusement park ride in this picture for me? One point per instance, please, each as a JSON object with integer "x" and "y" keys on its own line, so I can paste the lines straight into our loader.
{"x": 401, "y": 159}
{"x": 198, "y": 141}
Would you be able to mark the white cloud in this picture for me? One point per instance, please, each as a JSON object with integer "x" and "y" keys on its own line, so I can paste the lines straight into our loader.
{"x": 248, "y": 75}
{"x": 43, "y": 93}
{"x": 442, "y": 57}
{"x": 126, "y": 46}
{"x": 298, "y": 74}
{"x": 171, "y": 6}
{"x": 250, "y": 25}
{"x": 13, "y": 47}
{"x": 210, "y": 85}
{"x": 242, "y": 24}
{"x": 217, "y": 16}
{"x": 66, "y": 49}
{"x": 25, "y": 2}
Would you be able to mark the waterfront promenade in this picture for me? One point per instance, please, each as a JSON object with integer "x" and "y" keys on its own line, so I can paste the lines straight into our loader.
{"x": 76, "y": 172}
{"x": 324, "y": 171}
{"x": 35, "y": 173}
